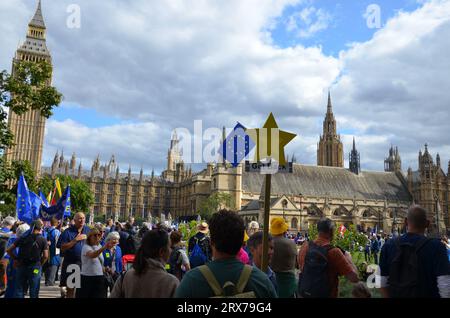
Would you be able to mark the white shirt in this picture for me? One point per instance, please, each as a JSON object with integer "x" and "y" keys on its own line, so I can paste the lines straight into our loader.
{"x": 91, "y": 266}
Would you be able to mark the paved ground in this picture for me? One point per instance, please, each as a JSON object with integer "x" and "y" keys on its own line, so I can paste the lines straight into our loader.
{"x": 49, "y": 292}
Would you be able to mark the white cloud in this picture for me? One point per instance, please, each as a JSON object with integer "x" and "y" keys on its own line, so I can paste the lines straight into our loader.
{"x": 167, "y": 63}
{"x": 308, "y": 22}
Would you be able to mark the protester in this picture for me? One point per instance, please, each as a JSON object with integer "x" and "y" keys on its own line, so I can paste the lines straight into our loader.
{"x": 148, "y": 277}
{"x": 54, "y": 261}
{"x": 113, "y": 258}
{"x": 129, "y": 240}
{"x": 70, "y": 243}
{"x": 199, "y": 247}
{"x": 101, "y": 228}
{"x": 414, "y": 265}
{"x": 243, "y": 254}
{"x": 227, "y": 231}
{"x": 93, "y": 283}
{"x": 321, "y": 264}
{"x": 109, "y": 226}
{"x": 374, "y": 248}
{"x": 19, "y": 228}
{"x": 33, "y": 253}
{"x": 178, "y": 261}
{"x": 367, "y": 256}
{"x": 253, "y": 227}
{"x": 5, "y": 233}
{"x": 255, "y": 244}
{"x": 283, "y": 259}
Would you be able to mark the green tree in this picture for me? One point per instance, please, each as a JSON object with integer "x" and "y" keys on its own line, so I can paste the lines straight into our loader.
{"x": 213, "y": 203}
{"x": 81, "y": 196}
{"x": 8, "y": 184}
{"x": 28, "y": 89}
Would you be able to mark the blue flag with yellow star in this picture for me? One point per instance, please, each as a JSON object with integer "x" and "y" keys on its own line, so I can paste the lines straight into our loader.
{"x": 60, "y": 210}
{"x": 23, "y": 203}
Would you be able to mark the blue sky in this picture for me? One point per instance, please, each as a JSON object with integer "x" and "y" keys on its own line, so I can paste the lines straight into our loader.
{"x": 345, "y": 23}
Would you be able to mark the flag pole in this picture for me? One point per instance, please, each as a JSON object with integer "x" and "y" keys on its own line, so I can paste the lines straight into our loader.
{"x": 265, "y": 256}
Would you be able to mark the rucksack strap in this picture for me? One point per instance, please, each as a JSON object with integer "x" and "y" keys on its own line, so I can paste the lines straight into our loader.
{"x": 244, "y": 278}
{"x": 211, "y": 279}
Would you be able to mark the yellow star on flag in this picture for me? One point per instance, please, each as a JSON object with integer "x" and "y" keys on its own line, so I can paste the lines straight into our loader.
{"x": 270, "y": 141}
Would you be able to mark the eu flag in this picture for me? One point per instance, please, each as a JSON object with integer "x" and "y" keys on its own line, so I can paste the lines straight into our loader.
{"x": 23, "y": 203}
{"x": 60, "y": 210}
{"x": 43, "y": 198}
{"x": 36, "y": 203}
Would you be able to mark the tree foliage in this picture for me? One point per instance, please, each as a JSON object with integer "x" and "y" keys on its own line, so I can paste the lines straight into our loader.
{"x": 28, "y": 89}
{"x": 350, "y": 241}
{"x": 213, "y": 203}
{"x": 81, "y": 196}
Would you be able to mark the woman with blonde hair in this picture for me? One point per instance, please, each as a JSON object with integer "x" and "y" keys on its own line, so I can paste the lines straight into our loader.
{"x": 93, "y": 283}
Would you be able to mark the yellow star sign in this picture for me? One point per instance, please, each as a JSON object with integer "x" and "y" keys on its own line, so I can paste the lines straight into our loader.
{"x": 270, "y": 141}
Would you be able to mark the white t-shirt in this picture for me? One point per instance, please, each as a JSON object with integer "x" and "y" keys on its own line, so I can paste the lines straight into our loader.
{"x": 91, "y": 266}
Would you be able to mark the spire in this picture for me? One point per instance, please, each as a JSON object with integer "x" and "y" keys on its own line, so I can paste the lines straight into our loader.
{"x": 438, "y": 160}
{"x": 354, "y": 162}
{"x": 153, "y": 173}
{"x": 38, "y": 19}
{"x": 329, "y": 107}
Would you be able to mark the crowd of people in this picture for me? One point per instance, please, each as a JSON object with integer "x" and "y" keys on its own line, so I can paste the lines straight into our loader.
{"x": 223, "y": 259}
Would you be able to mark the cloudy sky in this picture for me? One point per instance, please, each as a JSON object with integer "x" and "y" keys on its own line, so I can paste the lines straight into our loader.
{"x": 135, "y": 70}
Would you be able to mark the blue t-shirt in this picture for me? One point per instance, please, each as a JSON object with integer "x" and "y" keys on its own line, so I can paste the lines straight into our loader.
{"x": 72, "y": 255}
{"x": 52, "y": 236}
{"x": 433, "y": 262}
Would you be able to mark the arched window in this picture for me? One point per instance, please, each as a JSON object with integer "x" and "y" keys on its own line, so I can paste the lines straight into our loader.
{"x": 294, "y": 223}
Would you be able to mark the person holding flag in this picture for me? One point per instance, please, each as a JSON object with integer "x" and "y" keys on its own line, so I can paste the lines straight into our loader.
{"x": 26, "y": 208}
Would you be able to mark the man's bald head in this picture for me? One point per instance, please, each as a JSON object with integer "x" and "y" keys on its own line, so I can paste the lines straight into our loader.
{"x": 79, "y": 219}
{"x": 417, "y": 218}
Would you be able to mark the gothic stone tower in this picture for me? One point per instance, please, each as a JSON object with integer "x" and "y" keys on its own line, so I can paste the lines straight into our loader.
{"x": 393, "y": 162}
{"x": 330, "y": 151}
{"x": 354, "y": 161}
{"x": 431, "y": 189}
{"x": 28, "y": 129}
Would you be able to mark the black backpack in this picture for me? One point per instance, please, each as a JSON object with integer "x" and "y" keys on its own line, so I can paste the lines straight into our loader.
{"x": 132, "y": 244}
{"x": 314, "y": 280}
{"x": 29, "y": 250}
{"x": 404, "y": 270}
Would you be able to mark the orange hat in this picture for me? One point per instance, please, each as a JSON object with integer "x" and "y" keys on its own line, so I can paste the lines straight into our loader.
{"x": 203, "y": 227}
{"x": 278, "y": 226}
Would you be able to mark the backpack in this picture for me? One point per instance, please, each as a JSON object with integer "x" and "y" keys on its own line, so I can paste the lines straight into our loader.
{"x": 29, "y": 250}
{"x": 132, "y": 244}
{"x": 173, "y": 261}
{"x": 314, "y": 280}
{"x": 404, "y": 270}
{"x": 197, "y": 256}
{"x": 229, "y": 289}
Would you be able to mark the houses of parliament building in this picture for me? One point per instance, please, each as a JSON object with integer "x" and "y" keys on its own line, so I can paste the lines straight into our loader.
{"x": 366, "y": 199}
